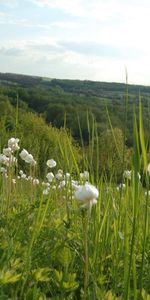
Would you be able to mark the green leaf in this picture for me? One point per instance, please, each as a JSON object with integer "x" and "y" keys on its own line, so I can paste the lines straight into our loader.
{"x": 9, "y": 277}
{"x": 42, "y": 274}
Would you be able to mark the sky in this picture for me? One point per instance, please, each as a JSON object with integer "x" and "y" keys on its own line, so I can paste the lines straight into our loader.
{"x": 76, "y": 39}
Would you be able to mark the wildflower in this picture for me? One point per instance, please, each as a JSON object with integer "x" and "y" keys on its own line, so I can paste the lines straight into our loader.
{"x": 87, "y": 194}
{"x": 4, "y": 159}
{"x": 121, "y": 186}
{"x": 62, "y": 184}
{"x": 20, "y": 172}
{"x": 51, "y": 163}
{"x": 23, "y": 154}
{"x": 23, "y": 176}
{"x": 50, "y": 176}
{"x": 35, "y": 181}
{"x": 13, "y": 144}
{"x": 74, "y": 185}
{"x": 46, "y": 191}
{"x": 30, "y": 178}
{"x": 46, "y": 184}
{"x": 84, "y": 175}
{"x": 3, "y": 170}
{"x": 67, "y": 176}
{"x": 127, "y": 174}
{"x": 28, "y": 158}
{"x": 14, "y": 181}
{"x": 59, "y": 176}
{"x": 147, "y": 193}
{"x": 7, "y": 151}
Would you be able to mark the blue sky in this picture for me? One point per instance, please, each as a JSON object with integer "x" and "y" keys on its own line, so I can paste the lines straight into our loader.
{"x": 80, "y": 39}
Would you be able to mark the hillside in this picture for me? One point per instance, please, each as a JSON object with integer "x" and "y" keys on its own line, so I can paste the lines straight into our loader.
{"x": 70, "y": 100}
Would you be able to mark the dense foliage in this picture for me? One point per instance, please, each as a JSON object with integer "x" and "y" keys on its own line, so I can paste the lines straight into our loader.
{"x": 68, "y": 101}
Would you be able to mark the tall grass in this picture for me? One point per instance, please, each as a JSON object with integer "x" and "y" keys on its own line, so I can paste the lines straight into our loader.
{"x": 51, "y": 248}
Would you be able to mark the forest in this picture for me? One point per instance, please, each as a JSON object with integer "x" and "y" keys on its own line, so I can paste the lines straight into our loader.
{"x": 68, "y": 102}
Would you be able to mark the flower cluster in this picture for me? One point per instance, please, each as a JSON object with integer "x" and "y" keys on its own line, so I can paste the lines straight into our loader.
{"x": 7, "y": 158}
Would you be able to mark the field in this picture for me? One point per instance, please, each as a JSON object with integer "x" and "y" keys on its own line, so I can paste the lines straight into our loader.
{"x": 73, "y": 235}
{"x": 75, "y": 192}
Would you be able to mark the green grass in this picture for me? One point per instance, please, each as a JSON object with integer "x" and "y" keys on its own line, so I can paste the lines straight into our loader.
{"x": 50, "y": 248}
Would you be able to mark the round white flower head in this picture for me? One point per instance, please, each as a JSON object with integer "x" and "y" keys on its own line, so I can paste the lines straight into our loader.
{"x": 67, "y": 176}
{"x": 51, "y": 163}
{"x": 50, "y": 176}
{"x": 88, "y": 194}
{"x": 62, "y": 184}
{"x": 148, "y": 169}
{"x": 13, "y": 144}
{"x": 28, "y": 158}
{"x": 46, "y": 191}
{"x": 59, "y": 176}
{"x": 35, "y": 181}
{"x": 74, "y": 185}
{"x": 23, "y": 154}
{"x": 23, "y": 176}
{"x": 7, "y": 151}
{"x": 127, "y": 174}
{"x": 4, "y": 159}
{"x": 84, "y": 175}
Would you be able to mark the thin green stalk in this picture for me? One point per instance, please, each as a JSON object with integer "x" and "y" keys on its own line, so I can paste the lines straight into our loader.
{"x": 86, "y": 256}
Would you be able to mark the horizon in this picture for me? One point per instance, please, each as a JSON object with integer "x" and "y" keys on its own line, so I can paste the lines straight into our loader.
{"x": 95, "y": 41}
{"x": 73, "y": 79}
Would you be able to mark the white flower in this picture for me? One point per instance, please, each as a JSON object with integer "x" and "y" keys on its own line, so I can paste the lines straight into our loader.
{"x": 46, "y": 184}
{"x": 3, "y": 170}
{"x": 13, "y": 144}
{"x": 62, "y": 184}
{"x": 127, "y": 174}
{"x": 67, "y": 176}
{"x": 84, "y": 175}
{"x": 121, "y": 186}
{"x": 51, "y": 163}
{"x": 7, "y": 151}
{"x": 23, "y": 176}
{"x": 28, "y": 158}
{"x": 50, "y": 176}
{"x": 35, "y": 181}
{"x": 147, "y": 193}
{"x": 20, "y": 172}
{"x": 14, "y": 181}
{"x": 87, "y": 194}
{"x": 148, "y": 169}
{"x": 59, "y": 176}
{"x": 46, "y": 191}
{"x": 4, "y": 159}
{"x": 23, "y": 154}
{"x": 74, "y": 185}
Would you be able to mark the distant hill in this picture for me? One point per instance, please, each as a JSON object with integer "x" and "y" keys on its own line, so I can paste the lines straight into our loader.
{"x": 96, "y": 88}
{"x": 74, "y": 101}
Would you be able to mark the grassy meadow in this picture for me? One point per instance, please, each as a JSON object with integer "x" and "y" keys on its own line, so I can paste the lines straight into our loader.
{"x": 67, "y": 229}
